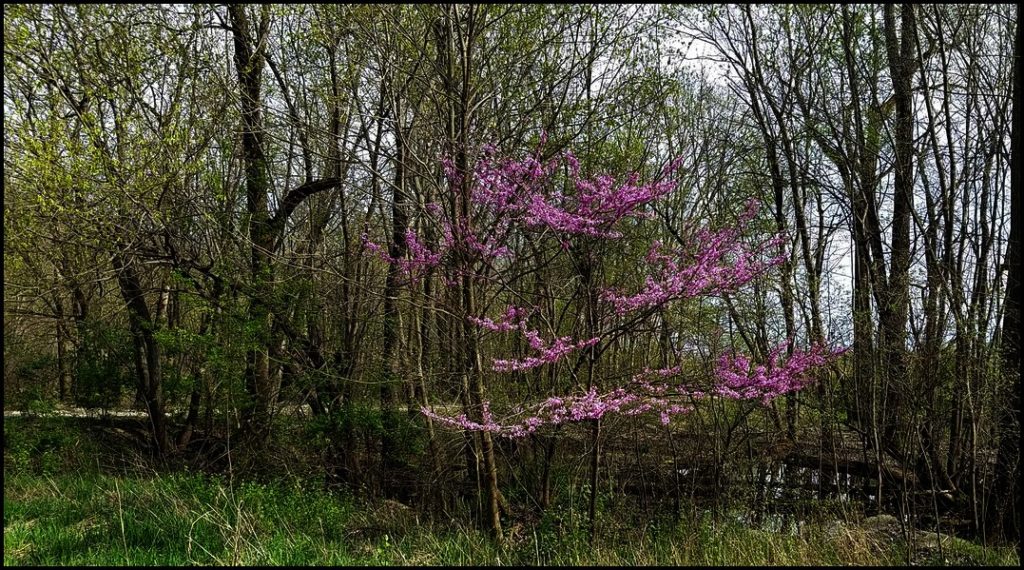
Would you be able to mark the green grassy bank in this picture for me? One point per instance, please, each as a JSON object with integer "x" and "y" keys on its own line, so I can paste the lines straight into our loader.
{"x": 59, "y": 510}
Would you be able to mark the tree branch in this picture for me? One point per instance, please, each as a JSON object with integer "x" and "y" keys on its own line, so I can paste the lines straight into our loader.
{"x": 296, "y": 197}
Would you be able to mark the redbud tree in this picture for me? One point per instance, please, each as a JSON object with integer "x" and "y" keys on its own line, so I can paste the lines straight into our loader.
{"x": 527, "y": 212}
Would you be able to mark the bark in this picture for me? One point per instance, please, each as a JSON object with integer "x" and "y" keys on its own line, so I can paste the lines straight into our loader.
{"x": 391, "y": 333}
{"x": 459, "y": 31}
{"x": 147, "y": 351}
{"x": 1006, "y": 515}
{"x": 63, "y": 367}
{"x": 894, "y": 308}
{"x": 265, "y": 231}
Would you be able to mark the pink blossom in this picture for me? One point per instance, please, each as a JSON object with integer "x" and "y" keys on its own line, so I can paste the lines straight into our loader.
{"x": 740, "y": 379}
{"x": 549, "y": 353}
{"x": 513, "y": 318}
{"x": 737, "y": 379}
{"x": 569, "y": 409}
{"x": 419, "y": 257}
{"x": 517, "y": 200}
{"x": 523, "y": 190}
{"x": 719, "y": 262}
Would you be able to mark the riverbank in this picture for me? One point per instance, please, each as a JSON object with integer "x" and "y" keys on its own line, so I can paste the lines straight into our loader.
{"x": 69, "y": 500}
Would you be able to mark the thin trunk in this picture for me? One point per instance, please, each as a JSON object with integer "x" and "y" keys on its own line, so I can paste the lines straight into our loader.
{"x": 456, "y": 35}
{"x": 396, "y": 249}
{"x": 63, "y": 369}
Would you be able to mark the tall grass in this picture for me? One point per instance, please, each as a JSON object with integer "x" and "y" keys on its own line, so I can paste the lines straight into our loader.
{"x": 193, "y": 519}
{"x": 175, "y": 519}
{"x": 61, "y": 510}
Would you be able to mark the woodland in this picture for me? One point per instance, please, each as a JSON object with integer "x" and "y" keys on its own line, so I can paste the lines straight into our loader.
{"x": 535, "y": 271}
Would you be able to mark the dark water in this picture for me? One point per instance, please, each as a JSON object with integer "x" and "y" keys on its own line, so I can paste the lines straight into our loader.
{"x": 781, "y": 497}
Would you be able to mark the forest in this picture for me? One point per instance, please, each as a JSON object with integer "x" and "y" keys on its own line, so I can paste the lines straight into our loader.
{"x": 512, "y": 284}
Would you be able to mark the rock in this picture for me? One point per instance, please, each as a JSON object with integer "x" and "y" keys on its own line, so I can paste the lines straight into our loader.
{"x": 882, "y": 522}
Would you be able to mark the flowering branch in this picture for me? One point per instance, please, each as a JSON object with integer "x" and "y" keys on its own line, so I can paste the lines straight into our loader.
{"x": 722, "y": 263}
{"x": 420, "y": 258}
{"x": 568, "y": 409}
{"x": 737, "y": 379}
{"x": 548, "y": 353}
{"x": 512, "y": 195}
{"x": 740, "y": 379}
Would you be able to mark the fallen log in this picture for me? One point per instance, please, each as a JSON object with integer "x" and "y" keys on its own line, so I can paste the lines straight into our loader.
{"x": 851, "y": 466}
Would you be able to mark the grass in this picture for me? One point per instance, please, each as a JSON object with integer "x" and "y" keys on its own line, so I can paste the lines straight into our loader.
{"x": 171, "y": 520}
{"x": 58, "y": 511}
{"x": 74, "y": 519}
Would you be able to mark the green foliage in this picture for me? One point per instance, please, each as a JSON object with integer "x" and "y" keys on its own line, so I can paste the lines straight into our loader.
{"x": 177, "y": 343}
{"x": 178, "y": 519}
{"x": 44, "y": 446}
{"x": 66, "y": 513}
{"x": 365, "y": 422}
{"x": 32, "y": 382}
{"x": 103, "y": 368}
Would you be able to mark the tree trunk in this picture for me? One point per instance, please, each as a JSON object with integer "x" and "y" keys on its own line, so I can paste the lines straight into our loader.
{"x": 265, "y": 232}
{"x": 893, "y": 311}
{"x": 147, "y": 352}
{"x": 459, "y": 27}
{"x": 63, "y": 368}
{"x": 249, "y": 61}
{"x": 391, "y": 333}
{"x": 1005, "y": 517}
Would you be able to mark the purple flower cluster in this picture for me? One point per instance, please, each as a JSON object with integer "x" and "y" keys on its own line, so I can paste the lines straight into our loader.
{"x": 420, "y": 257}
{"x": 549, "y": 353}
{"x": 571, "y": 409}
{"x": 514, "y": 318}
{"x": 737, "y": 379}
{"x": 720, "y": 262}
{"x": 484, "y": 246}
{"x": 525, "y": 191}
{"x": 515, "y": 195}
{"x": 419, "y": 254}
{"x": 741, "y": 379}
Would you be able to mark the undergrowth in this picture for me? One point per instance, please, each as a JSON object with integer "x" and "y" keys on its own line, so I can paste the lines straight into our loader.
{"x": 60, "y": 511}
